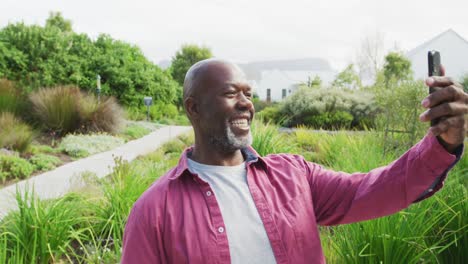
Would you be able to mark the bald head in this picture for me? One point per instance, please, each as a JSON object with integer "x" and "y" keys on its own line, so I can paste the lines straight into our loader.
{"x": 205, "y": 72}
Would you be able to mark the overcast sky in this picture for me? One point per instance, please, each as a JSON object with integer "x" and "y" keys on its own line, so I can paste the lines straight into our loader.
{"x": 250, "y": 30}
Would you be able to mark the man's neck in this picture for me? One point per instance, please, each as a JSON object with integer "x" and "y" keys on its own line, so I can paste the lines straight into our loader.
{"x": 211, "y": 156}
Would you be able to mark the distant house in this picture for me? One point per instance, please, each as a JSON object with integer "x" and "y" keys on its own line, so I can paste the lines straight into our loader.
{"x": 275, "y": 80}
{"x": 454, "y": 55}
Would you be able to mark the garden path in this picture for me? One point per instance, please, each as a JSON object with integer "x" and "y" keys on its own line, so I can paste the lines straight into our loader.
{"x": 56, "y": 183}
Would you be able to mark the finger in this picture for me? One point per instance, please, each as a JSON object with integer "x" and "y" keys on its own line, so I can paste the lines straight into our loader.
{"x": 444, "y": 110}
{"x": 442, "y": 70}
{"x": 444, "y": 125}
{"x": 450, "y": 93}
{"x": 440, "y": 81}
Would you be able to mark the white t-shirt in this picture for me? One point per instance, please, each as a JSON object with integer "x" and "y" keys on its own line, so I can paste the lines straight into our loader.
{"x": 248, "y": 240}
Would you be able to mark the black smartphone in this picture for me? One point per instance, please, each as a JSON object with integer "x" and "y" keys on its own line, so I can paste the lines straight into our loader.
{"x": 433, "y": 61}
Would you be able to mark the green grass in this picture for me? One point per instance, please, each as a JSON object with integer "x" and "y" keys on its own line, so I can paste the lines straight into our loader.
{"x": 88, "y": 228}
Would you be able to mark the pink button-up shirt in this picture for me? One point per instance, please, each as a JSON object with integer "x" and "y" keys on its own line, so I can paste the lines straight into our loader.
{"x": 178, "y": 220}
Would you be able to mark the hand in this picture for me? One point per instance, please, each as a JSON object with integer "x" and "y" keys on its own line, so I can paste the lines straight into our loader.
{"x": 450, "y": 105}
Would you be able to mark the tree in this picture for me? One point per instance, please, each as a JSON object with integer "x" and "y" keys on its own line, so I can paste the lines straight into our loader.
{"x": 348, "y": 79}
{"x": 185, "y": 58}
{"x": 57, "y": 20}
{"x": 397, "y": 67}
{"x": 35, "y": 56}
{"x": 370, "y": 57}
{"x": 316, "y": 82}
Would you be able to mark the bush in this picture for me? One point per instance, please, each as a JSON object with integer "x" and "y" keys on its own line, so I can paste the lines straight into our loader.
{"x": 161, "y": 110}
{"x": 14, "y": 134}
{"x": 330, "y": 120}
{"x": 80, "y": 146}
{"x": 58, "y": 108}
{"x": 13, "y": 167}
{"x": 106, "y": 115}
{"x": 65, "y": 109}
{"x": 271, "y": 114}
{"x": 10, "y": 99}
{"x": 44, "y": 162}
{"x": 325, "y": 106}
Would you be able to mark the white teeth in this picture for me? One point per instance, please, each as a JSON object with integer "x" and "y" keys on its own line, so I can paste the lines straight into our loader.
{"x": 240, "y": 123}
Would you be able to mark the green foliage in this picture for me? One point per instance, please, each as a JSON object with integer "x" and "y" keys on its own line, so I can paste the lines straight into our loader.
{"x": 397, "y": 67}
{"x": 160, "y": 110}
{"x": 267, "y": 140}
{"x": 316, "y": 82}
{"x": 327, "y": 105}
{"x": 184, "y": 58}
{"x": 80, "y": 146}
{"x": 401, "y": 105}
{"x": 57, "y": 20}
{"x": 14, "y": 134}
{"x": 330, "y": 120}
{"x": 52, "y": 55}
{"x": 41, "y": 232}
{"x": 13, "y": 167}
{"x": 10, "y": 99}
{"x": 464, "y": 82}
{"x": 188, "y": 55}
{"x": 271, "y": 114}
{"x": 134, "y": 131}
{"x": 44, "y": 162}
{"x": 347, "y": 79}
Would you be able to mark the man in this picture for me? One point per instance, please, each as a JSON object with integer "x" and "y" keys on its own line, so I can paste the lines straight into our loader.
{"x": 224, "y": 204}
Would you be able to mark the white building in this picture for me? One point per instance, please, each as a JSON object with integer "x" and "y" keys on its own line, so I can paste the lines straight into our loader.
{"x": 453, "y": 50}
{"x": 274, "y": 80}
{"x": 277, "y": 84}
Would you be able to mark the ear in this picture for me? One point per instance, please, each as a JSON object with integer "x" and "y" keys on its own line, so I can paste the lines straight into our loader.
{"x": 191, "y": 107}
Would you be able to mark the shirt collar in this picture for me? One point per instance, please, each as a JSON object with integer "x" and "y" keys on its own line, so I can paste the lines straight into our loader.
{"x": 251, "y": 156}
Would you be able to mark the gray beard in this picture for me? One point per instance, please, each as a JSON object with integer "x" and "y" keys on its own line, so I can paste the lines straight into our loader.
{"x": 230, "y": 142}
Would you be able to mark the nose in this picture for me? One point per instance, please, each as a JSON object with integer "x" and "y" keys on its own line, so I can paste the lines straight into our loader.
{"x": 244, "y": 103}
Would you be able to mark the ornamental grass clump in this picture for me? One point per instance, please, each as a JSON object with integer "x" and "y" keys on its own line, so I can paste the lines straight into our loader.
{"x": 57, "y": 109}
{"x": 66, "y": 109}
{"x": 10, "y": 98}
{"x": 41, "y": 231}
{"x": 14, "y": 134}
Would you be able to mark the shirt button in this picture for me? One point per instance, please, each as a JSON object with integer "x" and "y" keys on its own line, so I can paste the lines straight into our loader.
{"x": 221, "y": 229}
{"x": 430, "y": 190}
{"x": 208, "y": 193}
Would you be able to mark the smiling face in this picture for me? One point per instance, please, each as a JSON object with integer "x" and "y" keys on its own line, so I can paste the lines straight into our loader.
{"x": 222, "y": 106}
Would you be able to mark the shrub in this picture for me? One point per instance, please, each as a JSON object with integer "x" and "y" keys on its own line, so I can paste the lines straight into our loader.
{"x": 44, "y": 162}
{"x": 330, "y": 120}
{"x": 80, "y": 146}
{"x": 135, "y": 113}
{"x": 106, "y": 115}
{"x": 307, "y": 105}
{"x": 161, "y": 110}
{"x": 134, "y": 131}
{"x": 14, "y": 134}
{"x": 13, "y": 167}
{"x": 271, "y": 114}
{"x": 66, "y": 109}
{"x": 57, "y": 108}
{"x": 10, "y": 100}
